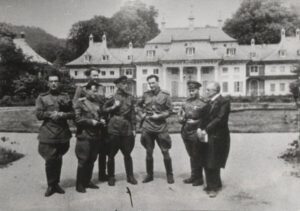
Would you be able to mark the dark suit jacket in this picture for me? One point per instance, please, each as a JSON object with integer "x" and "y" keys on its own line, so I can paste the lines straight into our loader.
{"x": 218, "y": 133}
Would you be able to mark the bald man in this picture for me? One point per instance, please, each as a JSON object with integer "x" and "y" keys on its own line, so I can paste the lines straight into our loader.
{"x": 218, "y": 138}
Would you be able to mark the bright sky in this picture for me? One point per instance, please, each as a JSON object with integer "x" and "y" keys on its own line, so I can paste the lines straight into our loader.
{"x": 57, "y": 16}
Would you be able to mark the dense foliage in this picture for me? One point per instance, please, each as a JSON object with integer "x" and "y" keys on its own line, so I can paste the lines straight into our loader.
{"x": 261, "y": 20}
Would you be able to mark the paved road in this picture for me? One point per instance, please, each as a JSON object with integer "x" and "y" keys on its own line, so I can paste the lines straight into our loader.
{"x": 253, "y": 180}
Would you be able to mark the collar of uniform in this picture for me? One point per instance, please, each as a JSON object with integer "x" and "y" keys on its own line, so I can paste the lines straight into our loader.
{"x": 215, "y": 97}
{"x": 54, "y": 92}
{"x": 121, "y": 92}
{"x": 156, "y": 91}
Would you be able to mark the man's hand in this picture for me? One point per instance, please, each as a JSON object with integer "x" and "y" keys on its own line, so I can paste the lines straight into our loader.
{"x": 191, "y": 121}
{"x": 134, "y": 133}
{"x": 102, "y": 121}
{"x": 94, "y": 122}
{"x": 54, "y": 115}
{"x": 117, "y": 103}
{"x": 154, "y": 116}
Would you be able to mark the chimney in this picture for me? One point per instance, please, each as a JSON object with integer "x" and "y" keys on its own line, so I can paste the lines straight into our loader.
{"x": 91, "y": 39}
{"x": 252, "y": 53}
{"x": 220, "y": 21}
{"x": 282, "y": 34}
{"x": 163, "y": 24}
{"x": 298, "y": 33}
{"x": 104, "y": 40}
{"x": 22, "y": 35}
{"x": 191, "y": 20}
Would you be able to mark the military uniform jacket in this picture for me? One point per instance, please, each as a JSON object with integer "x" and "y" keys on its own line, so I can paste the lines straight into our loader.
{"x": 196, "y": 109}
{"x": 87, "y": 110}
{"x": 122, "y": 118}
{"x": 156, "y": 102}
{"x": 54, "y": 131}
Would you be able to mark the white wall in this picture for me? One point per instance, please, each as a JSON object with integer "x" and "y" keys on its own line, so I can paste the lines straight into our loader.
{"x": 277, "y": 87}
{"x": 232, "y": 76}
{"x": 278, "y": 69}
{"x": 141, "y": 78}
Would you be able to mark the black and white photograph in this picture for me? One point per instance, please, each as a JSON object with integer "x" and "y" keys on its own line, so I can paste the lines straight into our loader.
{"x": 149, "y": 105}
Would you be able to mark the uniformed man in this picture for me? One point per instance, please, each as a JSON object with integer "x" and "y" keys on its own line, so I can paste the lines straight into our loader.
{"x": 192, "y": 116}
{"x": 93, "y": 74}
{"x": 89, "y": 120}
{"x": 121, "y": 129}
{"x": 155, "y": 107}
{"x": 54, "y": 108}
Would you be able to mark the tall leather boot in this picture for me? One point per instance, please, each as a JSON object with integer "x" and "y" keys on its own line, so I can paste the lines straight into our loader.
{"x": 80, "y": 180}
{"x": 111, "y": 171}
{"x": 149, "y": 169}
{"x": 169, "y": 170}
{"x": 191, "y": 179}
{"x": 129, "y": 170}
{"x": 102, "y": 176}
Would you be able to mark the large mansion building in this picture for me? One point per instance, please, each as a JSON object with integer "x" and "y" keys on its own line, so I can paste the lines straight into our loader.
{"x": 204, "y": 54}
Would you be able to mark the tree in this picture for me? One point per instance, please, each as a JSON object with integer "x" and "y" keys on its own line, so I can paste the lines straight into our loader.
{"x": 261, "y": 20}
{"x": 135, "y": 22}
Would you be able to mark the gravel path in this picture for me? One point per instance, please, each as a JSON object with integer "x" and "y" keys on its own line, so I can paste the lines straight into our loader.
{"x": 255, "y": 179}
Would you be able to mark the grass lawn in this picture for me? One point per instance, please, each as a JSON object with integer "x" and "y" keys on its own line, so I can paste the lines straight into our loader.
{"x": 253, "y": 121}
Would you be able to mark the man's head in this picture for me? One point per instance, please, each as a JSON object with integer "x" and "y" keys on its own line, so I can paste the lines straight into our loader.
{"x": 153, "y": 82}
{"x": 122, "y": 83}
{"x": 92, "y": 73}
{"x": 194, "y": 88}
{"x": 53, "y": 81}
{"x": 212, "y": 89}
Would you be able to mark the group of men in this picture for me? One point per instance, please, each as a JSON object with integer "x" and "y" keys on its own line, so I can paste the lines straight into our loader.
{"x": 107, "y": 125}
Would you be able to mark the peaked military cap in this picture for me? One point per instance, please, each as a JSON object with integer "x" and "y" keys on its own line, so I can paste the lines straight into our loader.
{"x": 121, "y": 79}
{"x": 193, "y": 85}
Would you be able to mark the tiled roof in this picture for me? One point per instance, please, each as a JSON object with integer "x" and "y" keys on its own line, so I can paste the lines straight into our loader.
{"x": 116, "y": 55}
{"x": 203, "y": 51}
{"x": 291, "y": 45}
{"x": 240, "y": 54}
{"x": 261, "y": 51}
{"x": 29, "y": 52}
{"x": 214, "y": 34}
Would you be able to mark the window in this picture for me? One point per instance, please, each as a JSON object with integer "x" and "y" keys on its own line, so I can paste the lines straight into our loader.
{"x": 225, "y": 86}
{"x": 145, "y": 87}
{"x": 282, "y": 53}
{"x": 230, "y": 51}
{"x": 145, "y": 71}
{"x": 105, "y": 57}
{"x": 298, "y": 52}
{"x": 252, "y": 54}
{"x": 150, "y": 53}
{"x": 238, "y": 86}
{"x": 205, "y": 70}
{"x": 128, "y": 71}
{"x": 174, "y": 71}
{"x": 225, "y": 70}
{"x": 282, "y": 87}
{"x": 111, "y": 89}
{"x": 112, "y": 72}
{"x": 273, "y": 69}
{"x": 155, "y": 71}
{"x": 130, "y": 57}
{"x": 190, "y": 51}
{"x": 272, "y": 87}
{"x": 75, "y": 72}
{"x": 236, "y": 70}
{"x": 253, "y": 69}
{"x": 282, "y": 69}
{"x": 87, "y": 58}
{"x": 103, "y": 73}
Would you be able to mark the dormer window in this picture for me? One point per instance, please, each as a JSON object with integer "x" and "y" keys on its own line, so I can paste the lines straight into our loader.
{"x": 87, "y": 58}
{"x": 105, "y": 57}
{"x": 282, "y": 53}
{"x": 252, "y": 54}
{"x": 230, "y": 51}
{"x": 150, "y": 53}
{"x": 190, "y": 51}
